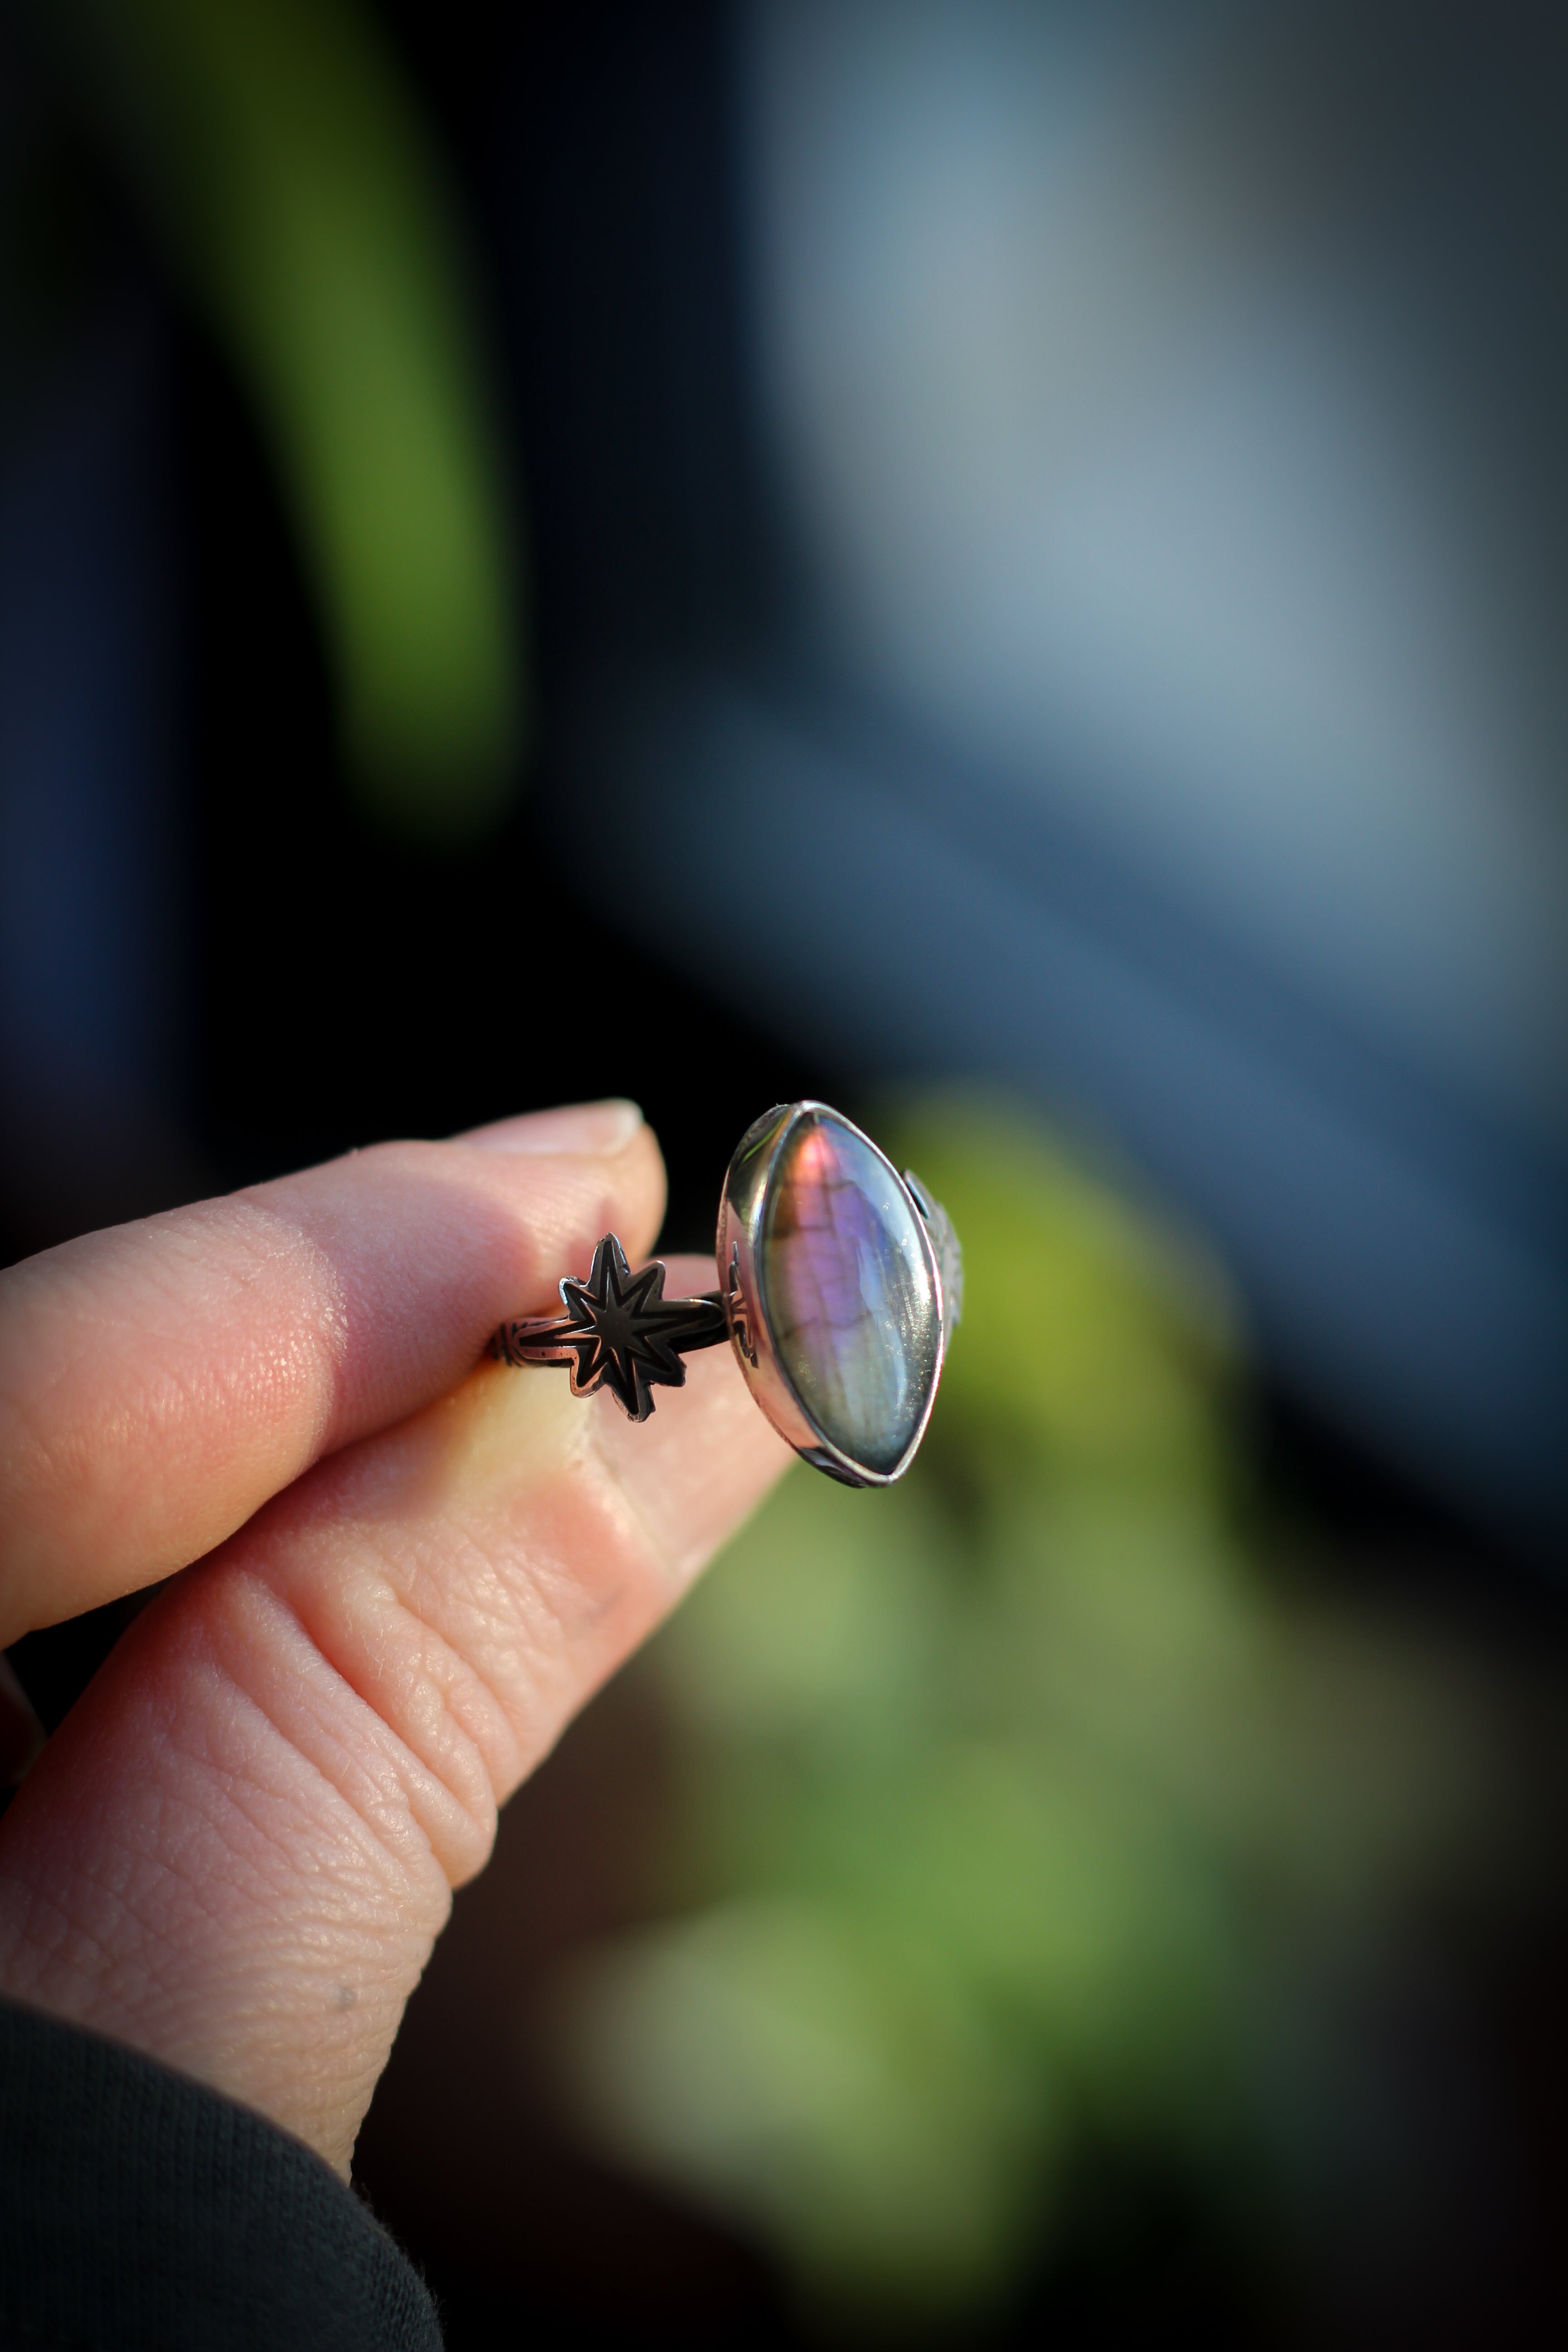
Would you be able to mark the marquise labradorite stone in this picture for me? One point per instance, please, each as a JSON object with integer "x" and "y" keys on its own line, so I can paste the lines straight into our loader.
{"x": 848, "y": 1291}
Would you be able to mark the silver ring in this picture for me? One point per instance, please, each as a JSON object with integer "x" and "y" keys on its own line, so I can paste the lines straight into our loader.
{"x": 843, "y": 1283}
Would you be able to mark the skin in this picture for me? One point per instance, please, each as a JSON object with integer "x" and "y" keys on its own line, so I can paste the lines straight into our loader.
{"x": 401, "y": 1572}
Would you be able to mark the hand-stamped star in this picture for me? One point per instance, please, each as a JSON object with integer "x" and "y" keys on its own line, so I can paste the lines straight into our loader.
{"x": 619, "y": 1332}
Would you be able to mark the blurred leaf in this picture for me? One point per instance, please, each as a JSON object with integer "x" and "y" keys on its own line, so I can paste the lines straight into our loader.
{"x": 286, "y": 164}
{"x": 1020, "y": 1810}
{"x": 781, "y": 2061}
{"x": 1084, "y": 1328}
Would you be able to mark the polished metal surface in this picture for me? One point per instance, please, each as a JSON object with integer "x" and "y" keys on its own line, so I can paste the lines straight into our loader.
{"x": 772, "y": 1367}
{"x": 841, "y": 1283}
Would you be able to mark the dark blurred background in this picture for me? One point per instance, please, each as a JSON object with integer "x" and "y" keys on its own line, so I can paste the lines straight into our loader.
{"x": 719, "y": 553}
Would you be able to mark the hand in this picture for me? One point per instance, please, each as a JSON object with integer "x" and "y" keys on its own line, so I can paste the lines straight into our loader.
{"x": 237, "y": 1850}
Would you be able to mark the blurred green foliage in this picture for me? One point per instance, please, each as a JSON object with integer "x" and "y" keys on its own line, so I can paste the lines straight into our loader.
{"x": 285, "y": 165}
{"x": 1021, "y": 1809}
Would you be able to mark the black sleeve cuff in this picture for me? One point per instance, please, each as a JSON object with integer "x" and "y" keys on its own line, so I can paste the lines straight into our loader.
{"x": 137, "y": 2210}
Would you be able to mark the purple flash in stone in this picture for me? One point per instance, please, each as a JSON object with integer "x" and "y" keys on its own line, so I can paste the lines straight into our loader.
{"x": 848, "y": 1291}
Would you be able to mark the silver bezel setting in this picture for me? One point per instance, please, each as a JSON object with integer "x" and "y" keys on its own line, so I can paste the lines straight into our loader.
{"x": 742, "y": 1213}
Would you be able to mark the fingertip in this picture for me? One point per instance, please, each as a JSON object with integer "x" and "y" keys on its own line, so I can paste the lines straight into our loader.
{"x": 599, "y": 1162}
{"x": 159, "y": 1382}
{"x": 601, "y": 1129}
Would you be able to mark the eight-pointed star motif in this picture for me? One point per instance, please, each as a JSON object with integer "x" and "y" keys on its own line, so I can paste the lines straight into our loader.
{"x": 619, "y": 1331}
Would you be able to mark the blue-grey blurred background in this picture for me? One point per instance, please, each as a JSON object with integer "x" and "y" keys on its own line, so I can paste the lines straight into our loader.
{"x": 1002, "y": 561}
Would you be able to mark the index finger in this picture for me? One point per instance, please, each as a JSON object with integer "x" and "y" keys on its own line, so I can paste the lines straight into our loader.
{"x": 161, "y": 1380}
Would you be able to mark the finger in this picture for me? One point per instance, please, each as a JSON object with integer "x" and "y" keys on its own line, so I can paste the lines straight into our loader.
{"x": 235, "y": 1852}
{"x": 160, "y": 1381}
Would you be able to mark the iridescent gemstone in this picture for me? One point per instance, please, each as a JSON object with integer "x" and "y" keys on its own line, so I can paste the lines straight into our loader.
{"x": 848, "y": 1291}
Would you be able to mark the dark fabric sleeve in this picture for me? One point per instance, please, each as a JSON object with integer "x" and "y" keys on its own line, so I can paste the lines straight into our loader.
{"x": 140, "y": 2212}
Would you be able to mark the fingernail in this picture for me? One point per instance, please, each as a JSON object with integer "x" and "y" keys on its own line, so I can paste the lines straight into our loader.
{"x": 601, "y": 1129}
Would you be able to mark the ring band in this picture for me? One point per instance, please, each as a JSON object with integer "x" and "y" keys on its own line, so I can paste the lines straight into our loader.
{"x": 842, "y": 1285}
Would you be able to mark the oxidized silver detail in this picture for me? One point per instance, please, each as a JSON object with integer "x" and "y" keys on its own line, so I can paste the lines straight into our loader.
{"x": 619, "y": 1331}
{"x": 737, "y": 1312}
{"x": 949, "y": 1256}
